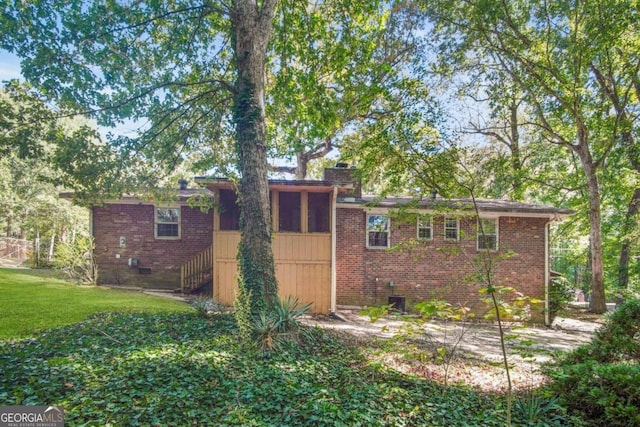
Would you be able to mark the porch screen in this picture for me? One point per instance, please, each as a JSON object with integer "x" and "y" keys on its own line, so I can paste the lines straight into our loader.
{"x": 318, "y": 215}
{"x": 229, "y": 210}
{"x": 289, "y": 211}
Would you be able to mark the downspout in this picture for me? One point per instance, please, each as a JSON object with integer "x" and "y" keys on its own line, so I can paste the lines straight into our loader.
{"x": 547, "y": 315}
{"x": 91, "y": 229}
{"x": 334, "y": 273}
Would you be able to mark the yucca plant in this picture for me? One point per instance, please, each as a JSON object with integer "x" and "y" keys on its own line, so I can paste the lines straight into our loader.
{"x": 536, "y": 410}
{"x": 279, "y": 326}
{"x": 267, "y": 334}
{"x": 287, "y": 311}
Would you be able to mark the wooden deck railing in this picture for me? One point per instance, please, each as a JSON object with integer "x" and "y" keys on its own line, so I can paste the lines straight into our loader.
{"x": 197, "y": 271}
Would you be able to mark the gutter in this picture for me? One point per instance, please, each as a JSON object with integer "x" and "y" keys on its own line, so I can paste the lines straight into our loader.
{"x": 334, "y": 273}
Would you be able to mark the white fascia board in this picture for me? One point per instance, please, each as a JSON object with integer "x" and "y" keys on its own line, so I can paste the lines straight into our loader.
{"x": 133, "y": 201}
{"x": 483, "y": 214}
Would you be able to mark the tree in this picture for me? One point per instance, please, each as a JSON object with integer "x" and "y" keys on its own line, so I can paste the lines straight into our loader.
{"x": 251, "y": 29}
{"x": 618, "y": 78}
{"x": 17, "y": 106}
{"x": 191, "y": 74}
{"x": 29, "y": 141}
{"x": 340, "y": 80}
{"x": 552, "y": 50}
{"x": 505, "y": 127}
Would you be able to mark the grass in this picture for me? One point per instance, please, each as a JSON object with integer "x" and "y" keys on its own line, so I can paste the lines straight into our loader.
{"x": 35, "y": 300}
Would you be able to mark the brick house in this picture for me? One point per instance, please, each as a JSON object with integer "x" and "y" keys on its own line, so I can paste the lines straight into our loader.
{"x": 333, "y": 247}
{"x": 142, "y": 243}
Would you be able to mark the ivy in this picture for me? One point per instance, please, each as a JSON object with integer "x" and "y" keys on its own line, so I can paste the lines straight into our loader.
{"x": 184, "y": 369}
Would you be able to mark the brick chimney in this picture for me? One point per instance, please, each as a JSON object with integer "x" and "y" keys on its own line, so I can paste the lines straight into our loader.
{"x": 343, "y": 174}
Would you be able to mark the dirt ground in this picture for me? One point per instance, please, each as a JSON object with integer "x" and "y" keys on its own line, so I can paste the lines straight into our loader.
{"x": 475, "y": 348}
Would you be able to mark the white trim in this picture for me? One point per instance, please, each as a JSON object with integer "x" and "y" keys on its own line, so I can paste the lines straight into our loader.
{"x": 471, "y": 213}
{"x": 334, "y": 272}
{"x": 388, "y": 231}
{"x": 430, "y": 218}
{"x": 444, "y": 223}
{"x": 497, "y": 222}
{"x": 156, "y": 222}
{"x": 133, "y": 201}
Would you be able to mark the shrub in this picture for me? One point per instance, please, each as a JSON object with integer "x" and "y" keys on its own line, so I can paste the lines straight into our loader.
{"x": 561, "y": 292}
{"x": 77, "y": 261}
{"x": 267, "y": 335}
{"x": 604, "y": 394}
{"x": 287, "y": 313}
{"x": 601, "y": 381}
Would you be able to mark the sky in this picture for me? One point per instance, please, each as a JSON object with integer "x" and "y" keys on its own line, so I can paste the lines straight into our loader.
{"x": 10, "y": 69}
{"x": 9, "y": 66}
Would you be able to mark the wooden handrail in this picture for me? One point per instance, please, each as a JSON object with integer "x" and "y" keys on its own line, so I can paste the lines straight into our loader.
{"x": 197, "y": 271}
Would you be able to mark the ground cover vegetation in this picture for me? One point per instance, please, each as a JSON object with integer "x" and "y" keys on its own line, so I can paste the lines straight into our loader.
{"x": 35, "y": 300}
{"x": 188, "y": 369}
{"x": 194, "y": 367}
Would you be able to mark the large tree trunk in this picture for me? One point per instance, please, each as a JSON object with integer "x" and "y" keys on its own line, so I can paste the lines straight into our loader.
{"x": 252, "y": 26}
{"x": 620, "y": 104}
{"x": 597, "y": 302}
{"x": 625, "y": 250}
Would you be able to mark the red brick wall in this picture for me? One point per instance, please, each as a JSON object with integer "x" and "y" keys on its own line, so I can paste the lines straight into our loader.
{"x": 136, "y": 224}
{"x": 436, "y": 268}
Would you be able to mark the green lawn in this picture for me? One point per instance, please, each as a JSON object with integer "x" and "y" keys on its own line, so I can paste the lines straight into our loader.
{"x": 34, "y": 300}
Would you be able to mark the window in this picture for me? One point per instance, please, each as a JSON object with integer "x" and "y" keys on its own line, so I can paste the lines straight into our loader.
{"x": 425, "y": 227}
{"x": 318, "y": 212}
{"x": 289, "y": 211}
{"x": 229, "y": 210}
{"x": 167, "y": 223}
{"x": 377, "y": 231}
{"x": 451, "y": 229}
{"x": 488, "y": 234}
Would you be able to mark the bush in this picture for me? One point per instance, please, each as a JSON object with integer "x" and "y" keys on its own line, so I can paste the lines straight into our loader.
{"x": 561, "y": 292}
{"x": 77, "y": 261}
{"x": 601, "y": 381}
{"x": 604, "y": 394}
